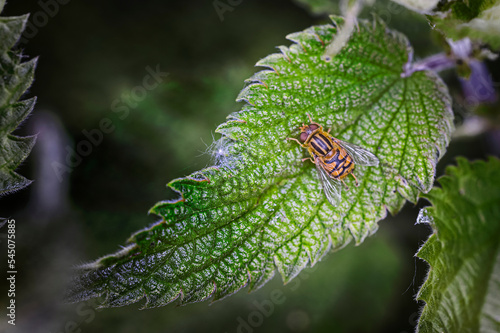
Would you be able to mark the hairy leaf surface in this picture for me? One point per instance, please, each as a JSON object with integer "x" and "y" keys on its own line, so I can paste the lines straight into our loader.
{"x": 15, "y": 79}
{"x": 462, "y": 290}
{"x": 260, "y": 209}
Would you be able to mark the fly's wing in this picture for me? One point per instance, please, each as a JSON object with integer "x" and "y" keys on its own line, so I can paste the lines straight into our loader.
{"x": 331, "y": 187}
{"x": 359, "y": 155}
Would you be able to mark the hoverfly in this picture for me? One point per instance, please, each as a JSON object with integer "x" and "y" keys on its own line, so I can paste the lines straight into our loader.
{"x": 334, "y": 159}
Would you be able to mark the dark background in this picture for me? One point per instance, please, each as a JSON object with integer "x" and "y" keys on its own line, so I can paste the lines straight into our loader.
{"x": 94, "y": 52}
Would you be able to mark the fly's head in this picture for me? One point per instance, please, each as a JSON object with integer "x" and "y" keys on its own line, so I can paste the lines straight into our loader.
{"x": 306, "y": 131}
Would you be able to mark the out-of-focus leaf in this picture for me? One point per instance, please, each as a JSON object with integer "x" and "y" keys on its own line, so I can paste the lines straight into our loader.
{"x": 479, "y": 20}
{"x": 320, "y": 6}
{"x": 421, "y": 6}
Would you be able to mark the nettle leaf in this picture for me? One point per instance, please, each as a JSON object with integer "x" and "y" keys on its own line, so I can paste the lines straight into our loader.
{"x": 462, "y": 290}
{"x": 260, "y": 208}
{"x": 479, "y": 20}
{"x": 15, "y": 78}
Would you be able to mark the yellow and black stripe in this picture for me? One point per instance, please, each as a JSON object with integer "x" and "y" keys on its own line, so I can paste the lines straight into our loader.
{"x": 340, "y": 167}
{"x": 321, "y": 144}
{"x": 335, "y": 160}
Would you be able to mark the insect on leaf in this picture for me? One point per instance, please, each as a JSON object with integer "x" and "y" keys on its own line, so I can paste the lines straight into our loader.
{"x": 261, "y": 209}
{"x": 15, "y": 78}
{"x": 462, "y": 290}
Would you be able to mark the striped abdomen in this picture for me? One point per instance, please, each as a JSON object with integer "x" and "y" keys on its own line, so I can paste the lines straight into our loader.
{"x": 331, "y": 157}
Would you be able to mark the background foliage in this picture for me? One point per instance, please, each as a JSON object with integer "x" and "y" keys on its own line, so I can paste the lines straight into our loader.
{"x": 16, "y": 80}
{"x": 463, "y": 285}
{"x": 478, "y": 20}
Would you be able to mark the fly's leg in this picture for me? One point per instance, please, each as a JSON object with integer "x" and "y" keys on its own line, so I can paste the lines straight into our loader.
{"x": 300, "y": 143}
{"x": 312, "y": 122}
{"x": 308, "y": 158}
{"x": 303, "y": 146}
{"x": 353, "y": 176}
{"x": 346, "y": 187}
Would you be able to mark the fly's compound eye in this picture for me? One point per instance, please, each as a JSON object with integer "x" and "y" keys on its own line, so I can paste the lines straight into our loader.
{"x": 303, "y": 136}
{"x": 313, "y": 127}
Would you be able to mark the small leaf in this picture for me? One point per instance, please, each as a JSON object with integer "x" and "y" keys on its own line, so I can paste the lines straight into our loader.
{"x": 479, "y": 20}
{"x": 260, "y": 208}
{"x": 462, "y": 290}
{"x": 15, "y": 78}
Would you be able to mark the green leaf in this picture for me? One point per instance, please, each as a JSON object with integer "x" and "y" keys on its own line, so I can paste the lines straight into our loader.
{"x": 260, "y": 208}
{"x": 462, "y": 290}
{"x": 15, "y": 78}
{"x": 479, "y": 20}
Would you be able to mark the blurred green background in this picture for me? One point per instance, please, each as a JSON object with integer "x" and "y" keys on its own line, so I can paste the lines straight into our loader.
{"x": 93, "y": 53}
